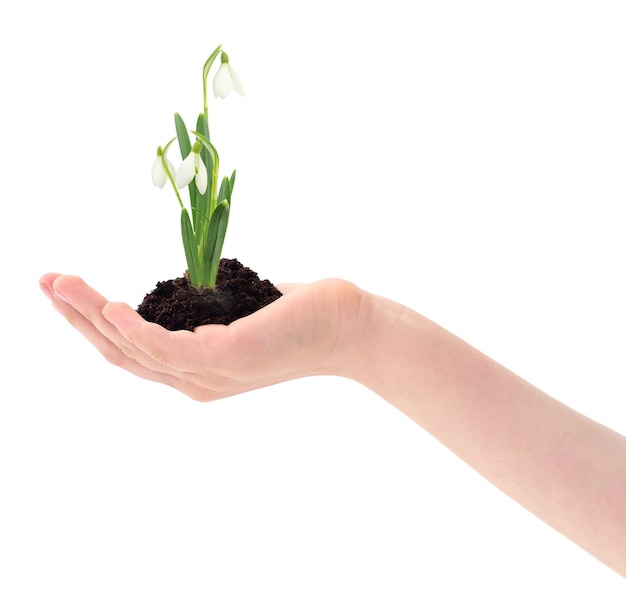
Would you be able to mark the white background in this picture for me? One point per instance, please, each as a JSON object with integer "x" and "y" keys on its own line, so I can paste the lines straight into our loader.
{"x": 464, "y": 158}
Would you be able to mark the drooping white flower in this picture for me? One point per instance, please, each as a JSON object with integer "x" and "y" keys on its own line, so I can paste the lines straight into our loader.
{"x": 226, "y": 80}
{"x": 159, "y": 174}
{"x": 192, "y": 167}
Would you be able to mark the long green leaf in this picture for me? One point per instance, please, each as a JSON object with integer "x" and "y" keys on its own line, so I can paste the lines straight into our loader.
{"x": 232, "y": 182}
{"x": 215, "y": 163}
{"x": 191, "y": 250}
{"x": 204, "y": 200}
{"x": 215, "y": 241}
{"x": 224, "y": 194}
{"x": 202, "y": 126}
{"x": 184, "y": 144}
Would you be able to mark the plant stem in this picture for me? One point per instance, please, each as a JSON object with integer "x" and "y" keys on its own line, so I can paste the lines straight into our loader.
{"x": 205, "y": 75}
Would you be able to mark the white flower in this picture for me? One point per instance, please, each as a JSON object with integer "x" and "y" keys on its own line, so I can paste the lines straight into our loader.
{"x": 159, "y": 174}
{"x": 192, "y": 167}
{"x": 226, "y": 79}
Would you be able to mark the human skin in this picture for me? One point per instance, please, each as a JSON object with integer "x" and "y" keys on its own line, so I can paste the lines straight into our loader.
{"x": 567, "y": 469}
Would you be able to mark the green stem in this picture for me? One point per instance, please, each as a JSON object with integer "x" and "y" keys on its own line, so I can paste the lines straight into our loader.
{"x": 205, "y": 75}
{"x": 171, "y": 178}
{"x": 216, "y": 164}
{"x": 169, "y": 173}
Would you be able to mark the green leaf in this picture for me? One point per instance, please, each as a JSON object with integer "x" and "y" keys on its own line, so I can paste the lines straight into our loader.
{"x": 232, "y": 183}
{"x": 215, "y": 240}
{"x": 225, "y": 189}
{"x": 183, "y": 136}
{"x": 191, "y": 250}
{"x": 202, "y": 126}
{"x": 184, "y": 144}
{"x": 215, "y": 163}
{"x": 202, "y": 129}
{"x": 204, "y": 200}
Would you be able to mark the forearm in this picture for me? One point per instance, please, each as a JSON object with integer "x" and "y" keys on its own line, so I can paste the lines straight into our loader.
{"x": 567, "y": 469}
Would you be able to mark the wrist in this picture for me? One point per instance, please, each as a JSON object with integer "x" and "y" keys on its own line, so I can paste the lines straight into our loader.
{"x": 386, "y": 340}
{"x": 366, "y": 324}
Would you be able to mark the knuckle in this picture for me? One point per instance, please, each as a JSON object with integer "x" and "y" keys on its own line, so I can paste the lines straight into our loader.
{"x": 114, "y": 356}
{"x": 205, "y": 388}
{"x": 159, "y": 356}
{"x": 118, "y": 354}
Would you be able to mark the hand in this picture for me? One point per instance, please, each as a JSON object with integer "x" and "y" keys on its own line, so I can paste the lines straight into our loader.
{"x": 567, "y": 469}
{"x": 306, "y": 332}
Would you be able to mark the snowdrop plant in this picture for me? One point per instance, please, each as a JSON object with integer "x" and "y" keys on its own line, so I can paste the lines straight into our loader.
{"x": 205, "y": 220}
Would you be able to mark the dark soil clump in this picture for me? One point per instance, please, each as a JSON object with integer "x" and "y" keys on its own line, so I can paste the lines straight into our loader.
{"x": 177, "y": 304}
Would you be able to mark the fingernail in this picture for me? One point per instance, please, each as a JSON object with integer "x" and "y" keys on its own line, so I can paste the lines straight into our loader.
{"x": 46, "y": 291}
{"x": 61, "y": 296}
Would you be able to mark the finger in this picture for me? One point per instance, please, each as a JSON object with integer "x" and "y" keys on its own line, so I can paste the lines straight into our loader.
{"x": 82, "y": 307}
{"x": 87, "y": 301}
{"x": 180, "y": 351}
{"x": 89, "y": 304}
{"x": 79, "y": 321}
{"x": 45, "y": 283}
{"x": 75, "y": 318}
{"x": 116, "y": 356}
{"x": 194, "y": 360}
{"x": 174, "y": 357}
{"x": 109, "y": 350}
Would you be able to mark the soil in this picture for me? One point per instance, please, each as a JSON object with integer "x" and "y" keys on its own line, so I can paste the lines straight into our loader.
{"x": 238, "y": 292}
